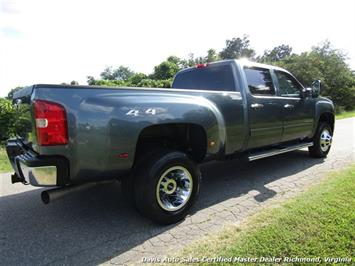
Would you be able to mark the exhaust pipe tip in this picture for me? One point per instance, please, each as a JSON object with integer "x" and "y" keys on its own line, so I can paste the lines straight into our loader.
{"x": 50, "y": 195}
{"x": 45, "y": 197}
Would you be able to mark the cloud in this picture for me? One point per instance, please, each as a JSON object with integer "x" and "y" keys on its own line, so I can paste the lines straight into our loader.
{"x": 10, "y": 32}
{"x": 62, "y": 40}
{"x": 8, "y": 7}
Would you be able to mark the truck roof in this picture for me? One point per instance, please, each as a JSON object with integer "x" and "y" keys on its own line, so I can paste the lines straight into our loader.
{"x": 241, "y": 62}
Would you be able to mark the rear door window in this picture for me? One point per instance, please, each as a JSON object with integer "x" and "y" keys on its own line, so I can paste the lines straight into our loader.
{"x": 211, "y": 77}
{"x": 259, "y": 81}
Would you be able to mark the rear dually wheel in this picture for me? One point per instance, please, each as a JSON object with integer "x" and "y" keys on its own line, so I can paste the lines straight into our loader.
{"x": 166, "y": 185}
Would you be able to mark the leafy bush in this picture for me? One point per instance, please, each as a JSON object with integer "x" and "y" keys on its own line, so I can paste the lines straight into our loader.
{"x": 135, "y": 81}
{"x": 13, "y": 121}
{"x": 339, "y": 109}
{"x": 7, "y": 118}
{"x": 165, "y": 83}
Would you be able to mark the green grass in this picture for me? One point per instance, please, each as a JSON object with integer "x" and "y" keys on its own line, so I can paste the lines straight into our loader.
{"x": 345, "y": 114}
{"x": 318, "y": 223}
{"x": 5, "y": 165}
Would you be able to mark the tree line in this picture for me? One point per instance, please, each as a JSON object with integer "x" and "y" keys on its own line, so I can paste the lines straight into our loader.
{"x": 322, "y": 62}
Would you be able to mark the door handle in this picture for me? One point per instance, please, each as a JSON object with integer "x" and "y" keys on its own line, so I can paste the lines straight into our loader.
{"x": 256, "y": 105}
{"x": 289, "y": 106}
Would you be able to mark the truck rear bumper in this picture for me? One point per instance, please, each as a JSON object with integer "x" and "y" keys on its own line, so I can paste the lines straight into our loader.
{"x": 37, "y": 170}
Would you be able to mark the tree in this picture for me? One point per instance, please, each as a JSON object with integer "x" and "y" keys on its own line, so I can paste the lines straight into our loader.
{"x": 152, "y": 83}
{"x": 237, "y": 48}
{"x": 276, "y": 54}
{"x": 136, "y": 79}
{"x": 329, "y": 65}
{"x": 10, "y": 95}
{"x": 107, "y": 74}
{"x": 7, "y": 117}
{"x": 322, "y": 62}
{"x": 74, "y": 82}
{"x": 123, "y": 73}
{"x": 174, "y": 59}
{"x": 90, "y": 80}
{"x": 189, "y": 62}
{"x": 192, "y": 60}
{"x": 165, "y": 70}
{"x": 212, "y": 56}
{"x": 120, "y": 73}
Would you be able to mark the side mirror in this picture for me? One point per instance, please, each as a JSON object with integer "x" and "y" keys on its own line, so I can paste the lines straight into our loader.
{"x": 307, "y": 93}
{"x": 316, "y": 85}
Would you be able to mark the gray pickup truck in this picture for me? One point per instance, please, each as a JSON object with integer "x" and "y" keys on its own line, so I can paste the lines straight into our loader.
{"x": 153, "y": 139}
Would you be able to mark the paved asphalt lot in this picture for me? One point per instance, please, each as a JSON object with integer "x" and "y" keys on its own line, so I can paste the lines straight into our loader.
{"x": 95, "y": 226}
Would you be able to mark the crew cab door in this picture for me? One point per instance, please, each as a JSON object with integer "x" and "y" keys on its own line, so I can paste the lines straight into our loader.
{"x": 264, "y": 108}
{"x": 298, "y": 111}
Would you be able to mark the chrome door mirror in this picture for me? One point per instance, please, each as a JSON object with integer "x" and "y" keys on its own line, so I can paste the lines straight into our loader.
{"x": 316, "y": 88}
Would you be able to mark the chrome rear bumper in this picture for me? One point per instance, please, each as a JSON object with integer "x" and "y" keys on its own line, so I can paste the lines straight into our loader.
{"x": 37, "y": 170}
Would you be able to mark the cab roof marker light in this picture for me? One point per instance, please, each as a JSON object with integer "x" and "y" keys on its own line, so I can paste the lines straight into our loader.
{"x": 201, "y": 65}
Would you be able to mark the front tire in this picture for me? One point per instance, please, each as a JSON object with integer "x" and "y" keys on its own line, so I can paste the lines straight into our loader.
{"x": 322, "y": 141}
{"x": 166, "y": 186}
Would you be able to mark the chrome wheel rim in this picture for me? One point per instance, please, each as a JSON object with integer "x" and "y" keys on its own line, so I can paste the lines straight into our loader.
{"x": 174, "y": 188}
{"x": 325, "y": 140}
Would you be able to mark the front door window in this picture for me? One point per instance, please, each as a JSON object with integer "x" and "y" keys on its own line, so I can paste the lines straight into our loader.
{"x": 288, "y": 86}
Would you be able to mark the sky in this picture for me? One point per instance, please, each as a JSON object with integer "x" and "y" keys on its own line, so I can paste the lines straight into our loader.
{"x": 54, "y": 41}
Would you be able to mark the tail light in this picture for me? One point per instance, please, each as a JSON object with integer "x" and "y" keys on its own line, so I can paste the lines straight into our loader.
{"x": 51, "y": 123}
{"x": 201, "y": 65}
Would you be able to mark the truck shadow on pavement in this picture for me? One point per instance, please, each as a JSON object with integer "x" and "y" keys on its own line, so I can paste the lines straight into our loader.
{"x": 94, "y": 225}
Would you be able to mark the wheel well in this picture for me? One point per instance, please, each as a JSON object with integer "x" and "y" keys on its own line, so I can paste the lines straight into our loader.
{"x": 189, "y": 138}
{"x": 327, "y": 118}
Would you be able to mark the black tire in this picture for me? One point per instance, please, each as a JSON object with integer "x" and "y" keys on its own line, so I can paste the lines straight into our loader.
{"x": 319, "y": 150}
{"x": 149, "y": 173}
{"x": 127, "y": 183}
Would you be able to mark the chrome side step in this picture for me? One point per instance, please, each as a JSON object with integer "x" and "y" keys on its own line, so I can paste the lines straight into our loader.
{"x": 264, "y": 154}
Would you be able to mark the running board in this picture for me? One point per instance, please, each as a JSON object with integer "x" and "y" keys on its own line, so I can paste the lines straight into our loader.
{"x": 264, "y": 154}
